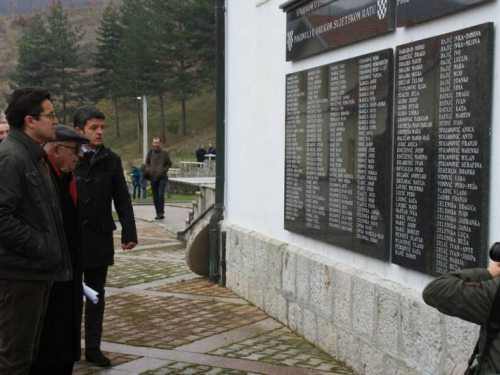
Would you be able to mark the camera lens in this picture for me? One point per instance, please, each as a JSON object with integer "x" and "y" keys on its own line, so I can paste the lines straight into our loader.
{"x": 495, "y": 252}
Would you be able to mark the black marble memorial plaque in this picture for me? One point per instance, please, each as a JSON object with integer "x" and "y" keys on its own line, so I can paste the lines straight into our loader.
{"x": 338, "y": 146}
{"x": 410, "y": 12}
{"x": 322, "y": 25}
{"x": 441, "y": 151}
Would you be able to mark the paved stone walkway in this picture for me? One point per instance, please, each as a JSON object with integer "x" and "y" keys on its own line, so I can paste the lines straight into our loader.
{"x": 162, "y": 319}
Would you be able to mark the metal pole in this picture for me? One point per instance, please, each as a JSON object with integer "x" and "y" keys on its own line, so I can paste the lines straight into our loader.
{"x": 220, "y": 67}
{"x": 145, "y": 128}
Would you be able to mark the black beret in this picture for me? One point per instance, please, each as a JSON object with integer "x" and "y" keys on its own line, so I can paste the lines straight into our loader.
{"x": 65, "y": 133}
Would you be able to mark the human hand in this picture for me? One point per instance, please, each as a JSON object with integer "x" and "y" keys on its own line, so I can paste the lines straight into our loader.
{"x": 128, "y": 245}
{"x": 494, "y": 269}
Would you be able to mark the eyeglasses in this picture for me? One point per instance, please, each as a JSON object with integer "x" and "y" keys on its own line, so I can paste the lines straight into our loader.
{"x": 51, "y": 115}
{"x": 75, "y": 149}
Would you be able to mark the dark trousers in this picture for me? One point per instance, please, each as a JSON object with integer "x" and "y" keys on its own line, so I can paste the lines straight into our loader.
{"x": 22, "y": 310}
{"x": 59, "y": 370}
{"x": 158, "y": 188}
{"x": 136, "y": 183}
{"x": 95, "y": 278}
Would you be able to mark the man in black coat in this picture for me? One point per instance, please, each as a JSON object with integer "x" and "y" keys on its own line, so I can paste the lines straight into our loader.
{"x": 100, "y": 181}
{"x": 60, "y": 342}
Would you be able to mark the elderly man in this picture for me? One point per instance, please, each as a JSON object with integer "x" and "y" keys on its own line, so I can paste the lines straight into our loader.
{"x": 101, "y": 182}
{"x": 60, "y": 343}
{"x": 33, "y": 248}
{"x": 4, "y": 130}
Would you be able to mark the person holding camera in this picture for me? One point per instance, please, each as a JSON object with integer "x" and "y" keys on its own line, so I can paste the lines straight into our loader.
{"x": 471, "y": 295}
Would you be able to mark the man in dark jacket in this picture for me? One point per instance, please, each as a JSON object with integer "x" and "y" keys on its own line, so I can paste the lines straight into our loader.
{"x": 100, "y": 181}
{"x": 469, "y": 294}
{"x": 60, "y": 342}
{"x": 33, "y": 248}
{"x": 158, "y": 163}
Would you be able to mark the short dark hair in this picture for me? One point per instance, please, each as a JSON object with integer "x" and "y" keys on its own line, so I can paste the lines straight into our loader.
{"x": 84, "y": 114}
{"x": 157, "y": 138}
{"x": 24, "y": 102}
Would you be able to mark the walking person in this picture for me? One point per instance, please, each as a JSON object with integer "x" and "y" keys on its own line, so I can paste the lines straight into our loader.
{"x": 33, "y": 248}
{"x": 158, "y": 163}
{"x": 60, "y": 341}
{"x": 101, "y": 182}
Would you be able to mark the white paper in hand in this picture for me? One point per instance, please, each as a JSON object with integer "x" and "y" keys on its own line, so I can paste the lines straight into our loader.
{"x": 91, "y": 294}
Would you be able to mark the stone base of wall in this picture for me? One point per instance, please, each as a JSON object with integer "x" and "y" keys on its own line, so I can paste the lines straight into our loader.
{"x": 373, "y": 325}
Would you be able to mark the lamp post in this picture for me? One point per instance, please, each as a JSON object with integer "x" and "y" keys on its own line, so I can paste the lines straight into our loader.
{"x": 145, "y": 126}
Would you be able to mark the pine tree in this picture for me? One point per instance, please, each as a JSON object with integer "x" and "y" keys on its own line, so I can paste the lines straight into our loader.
{"x": 136, "y": 65}
{"x": 34, "y": 52}
{"x": 65, "y": 80}
{"x": 183, "y": 82}
{"x": 162, "y": 53}
{"x": 201, "y": 32}
{"x": 107, "y": 58}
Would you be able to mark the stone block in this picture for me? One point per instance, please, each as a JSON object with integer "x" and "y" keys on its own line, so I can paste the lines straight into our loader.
{"x": 320, "y": 286}
{"x": 260, "y": 263}
{"x": 349, "y": 349}
{"x": 282, "y": 309}
{"x": 255, "y": 293}
{"x": 421, "y": 333}
{"x": 461, "y": 337}
{"x": 239, "y": 283}
{"x": 276, "y": 305}
{"x": 394, "y": 366}
{"x": 389, "y": 317}
{"x": 247, "y": 251}
{"x": 289, "y": 271}
{"x": 295, "y": 316}
{"x": 275, "y": 265}
{"x": 327, "y": 336}
{"x": 372, "y": 359}
{"x": 302, "y": 277}
{"x": 363, "y": 306}
{"x": 342, "y": 297}
{"x": 231, "y": 278}
{"x": 271, "y": 302}
{"x": 310, "y": 326}
{"x": 233, "y": 247}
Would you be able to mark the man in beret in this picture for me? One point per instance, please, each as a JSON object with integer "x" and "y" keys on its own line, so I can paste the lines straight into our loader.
{"x": 60, "y": 342}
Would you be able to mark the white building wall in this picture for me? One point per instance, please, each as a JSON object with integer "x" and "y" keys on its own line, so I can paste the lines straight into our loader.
{"x": 403, "y": 331}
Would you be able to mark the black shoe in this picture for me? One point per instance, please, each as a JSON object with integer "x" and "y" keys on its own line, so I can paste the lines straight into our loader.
{"x": 161, "y": 217}
{"x": 96, "y": 357}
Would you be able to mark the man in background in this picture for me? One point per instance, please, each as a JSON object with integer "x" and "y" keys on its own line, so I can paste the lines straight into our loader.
{"x": 33, "y": 249}
{"x": 200, "y": 154}
{"x": 60, "y": 341}
{"x": 101, "y": 182}
{"x": 158, "y": 163}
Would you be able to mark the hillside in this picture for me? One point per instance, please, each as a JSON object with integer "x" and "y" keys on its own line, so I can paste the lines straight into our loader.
{"x": 200, "y": 126}
{"x": 87, "y": 17}
{"x": 87, "y": 14}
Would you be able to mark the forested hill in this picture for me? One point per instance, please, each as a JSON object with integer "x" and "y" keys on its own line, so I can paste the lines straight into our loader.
{"x": 14, "y": 7}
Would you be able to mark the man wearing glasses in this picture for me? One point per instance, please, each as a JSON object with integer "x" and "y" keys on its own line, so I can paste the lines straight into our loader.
{"x": 100, "y": 181}
{"x": 33, "y": 248}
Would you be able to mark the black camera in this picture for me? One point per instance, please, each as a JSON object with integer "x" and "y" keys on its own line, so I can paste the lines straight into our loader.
{"x": 495, "y": 252}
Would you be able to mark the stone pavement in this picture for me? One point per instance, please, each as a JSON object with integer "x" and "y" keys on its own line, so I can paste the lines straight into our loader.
{"x": 162, "y": 319}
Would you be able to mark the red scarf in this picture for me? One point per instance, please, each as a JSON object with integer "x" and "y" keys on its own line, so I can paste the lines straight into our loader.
{"x": 72, "y": 183}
